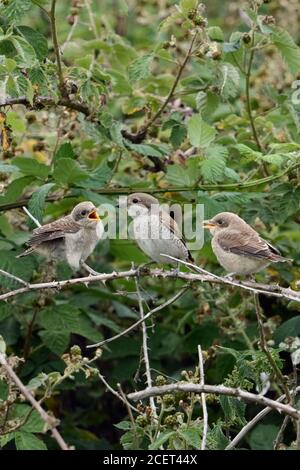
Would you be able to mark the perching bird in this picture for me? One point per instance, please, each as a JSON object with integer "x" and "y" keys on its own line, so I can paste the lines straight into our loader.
{"x": 72, "y": 238}
{"x": 154, "y": 230}
{"x": 238, "y": 247}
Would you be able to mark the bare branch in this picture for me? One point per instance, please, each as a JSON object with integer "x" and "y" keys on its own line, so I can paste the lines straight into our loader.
{"x": 50, "y": 422}
{"x": 216, "y": 390}
{"x": 56, "y": 48}
{"x": 203, "y": 399}
{"x": 145, "y": 348}
{"x": 271, "y": 290}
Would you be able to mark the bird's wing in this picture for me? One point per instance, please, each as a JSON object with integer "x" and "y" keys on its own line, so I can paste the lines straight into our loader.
{"x": 171, "y": 224}
{"x": 54, "y": 230}
{"x": 246, "y": 243}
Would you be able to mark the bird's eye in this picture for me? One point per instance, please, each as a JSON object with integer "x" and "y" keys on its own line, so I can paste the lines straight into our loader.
{"x": 135, "y": 201}
{"x": 220, "y": 222}
{"x": 83, "y": 213}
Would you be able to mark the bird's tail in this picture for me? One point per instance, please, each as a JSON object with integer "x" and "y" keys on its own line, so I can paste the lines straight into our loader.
{"x": 280, "y": 259}
{"x": 25, "y": 253}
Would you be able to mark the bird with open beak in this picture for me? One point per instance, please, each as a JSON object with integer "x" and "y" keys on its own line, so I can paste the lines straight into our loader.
{"x": 155, "y": 231}
{"x": 238, "y": 247}
{"x": 72, "y": 238}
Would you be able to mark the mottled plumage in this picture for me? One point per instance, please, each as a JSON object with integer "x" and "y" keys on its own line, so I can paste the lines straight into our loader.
{"x": 72, "y": 238}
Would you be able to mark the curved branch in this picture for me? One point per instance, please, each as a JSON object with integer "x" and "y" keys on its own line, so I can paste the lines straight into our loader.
{"x": 216, "y": 390}
{"x": 271, "y": 290}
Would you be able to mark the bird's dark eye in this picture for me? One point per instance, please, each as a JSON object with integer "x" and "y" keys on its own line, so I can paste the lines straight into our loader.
{"x": 84, "y": 212}
{"x": 135, "y": 201}
{"x": 220, "y": 221}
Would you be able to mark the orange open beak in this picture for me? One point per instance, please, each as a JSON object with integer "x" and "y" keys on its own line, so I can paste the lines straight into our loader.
{"x": 208, "y": 224}
{"x": 94, "y": 215}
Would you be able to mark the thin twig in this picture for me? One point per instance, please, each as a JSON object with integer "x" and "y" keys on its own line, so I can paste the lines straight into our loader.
{"x": 14, "y": 278}
{"x": 114, "y": 392}
{"x": 148, "y": 315}
{"x": 253, "y": 422}
{"x": 50, "y": 422}
{"x": 145, "y": 348}
{"x": 280, "y": 434}
{"x": 248, "y": 99}
{"x": 56, "y": 48}
{"x": 31, "y": 216}
{"x": 140, "y": 135}
{"x": 216, "y": 390}
{"x": 203, "y": 399}
{"x": 129, "y": 190}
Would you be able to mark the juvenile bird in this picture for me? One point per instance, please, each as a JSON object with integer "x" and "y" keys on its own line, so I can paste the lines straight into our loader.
{"x": 238, "y": 247}
{"x": 72, "y": 238}
{"x": 154, "y": 230}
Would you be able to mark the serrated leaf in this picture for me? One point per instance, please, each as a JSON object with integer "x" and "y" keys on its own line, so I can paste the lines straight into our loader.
{"x": 124, "y": 425}
{"x": 36, "y": 40}
{"x": 28, "y": 441}
{"x": 30, "y": 166}
{"x": 16, "y": 9}
{"x": 152, "y": 150}
{"x": 15, "y": 189}
{"x": 9, "y": 263}
{"x": 67, "y": 171}
{"x": 289, "y": 50}
{"x": 164, "y": 437}
{"x": 212, "y": 169}
{"x": 248, "y": 152}
{"x": 37, "y": 201}
{"x": 230, "y": 80}
{"x": 64, "y": 151}
{"x": 140, "y": 68}
{"x": 200, "y": 133}
{"x": 192, "y": 437}
{"x": 56, "y": 341}
{"x": 26, "y": 54}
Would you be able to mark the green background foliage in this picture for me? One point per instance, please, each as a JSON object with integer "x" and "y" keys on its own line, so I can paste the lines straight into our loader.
{"x": 227, "y": 138}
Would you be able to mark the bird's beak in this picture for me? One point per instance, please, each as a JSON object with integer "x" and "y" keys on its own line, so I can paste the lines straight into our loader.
{"x": 94, "y": 215}
{"x": 208, "y": 224}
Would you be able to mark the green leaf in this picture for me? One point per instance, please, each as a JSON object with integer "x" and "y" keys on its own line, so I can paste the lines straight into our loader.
{"x": 187, "y": 5}
{"x": 67, "y": 171}
{"x": 56, "y": 341}
{"x": 289, "y": 50}
{"x": 36, "y": 40}
{"x": 3, "y": 390}
{"x": 28, "y": 441}
{"x": 140, "y": 68}
{"x": 290, "y": 327}
{"x": 248, "y": 152}
{"x": 62, "y": 318}
{"x": 124, "y": 425}
{"x": 262, "y": 437}
{"x": 64, "y": 151}
{"x": 230, "y": 81}
{"x": 192, "y": 436}
{"x": 234, "y": 410}
{"x": 30, "y": 166}
{"x": 26, "y": 54}
{"x": 9, "y": 263}
{"x": 151, "y": 150}
{"x": 215, "y": 33}
{"x": 4, "y": 168}
{"x": 212, "y": 169}
{"x": 15, "y": 189}
{"x": 200, "y": 133}
{"x": 16, "y": 9}
{"x": 177, "y": 176}
{"x": 37, "y": 201}
{"x": 164, "y": 437}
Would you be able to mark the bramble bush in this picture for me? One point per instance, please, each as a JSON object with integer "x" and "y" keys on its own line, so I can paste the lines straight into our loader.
{"x": 192, "y": 103}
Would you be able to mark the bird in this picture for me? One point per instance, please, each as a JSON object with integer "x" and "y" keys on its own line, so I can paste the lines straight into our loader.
{"x": 155, "y": 231}
{"x": 238, "y": 247}
{"x": 72, "y": 238}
